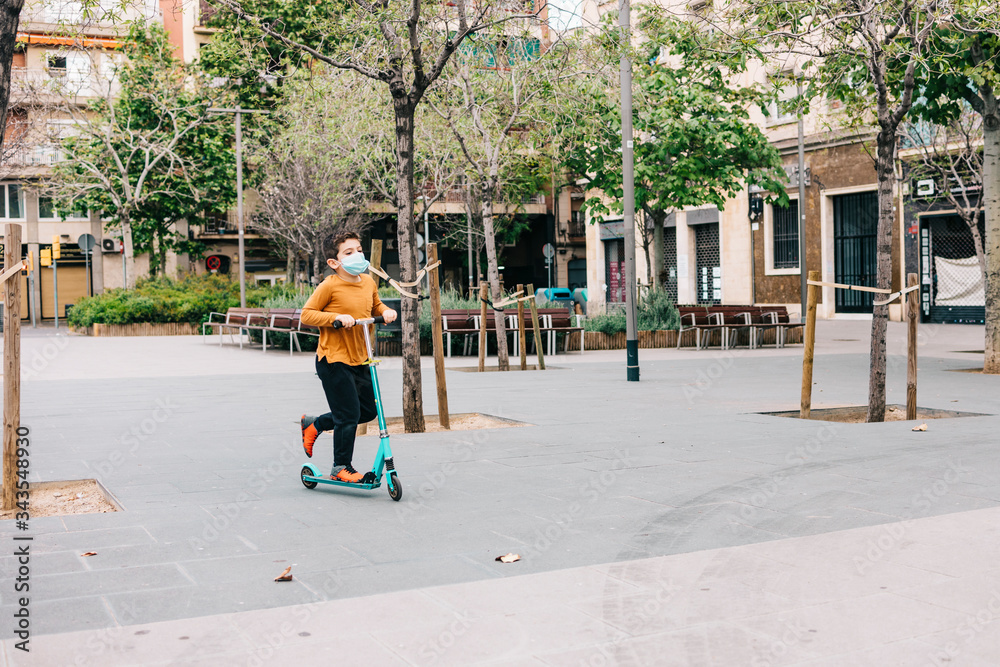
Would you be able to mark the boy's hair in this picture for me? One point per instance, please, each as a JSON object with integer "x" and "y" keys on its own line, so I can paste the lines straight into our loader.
{"x": 333, "y": 245}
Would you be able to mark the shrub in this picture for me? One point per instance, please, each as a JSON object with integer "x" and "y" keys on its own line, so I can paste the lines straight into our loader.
{"x": 610, "y": 324}
{"x": 657, "y": 311}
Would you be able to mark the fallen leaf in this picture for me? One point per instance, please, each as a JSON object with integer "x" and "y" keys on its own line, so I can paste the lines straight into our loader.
{"x": 89, "y": 553}
{"x": 286, "y": 575}
{"x": 56, "y": 495}
{"x": 508, "y": 558}
{"x": 922, "y": 427}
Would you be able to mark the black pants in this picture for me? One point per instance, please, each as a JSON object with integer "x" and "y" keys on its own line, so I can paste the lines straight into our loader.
{"x": 352, "y": 401}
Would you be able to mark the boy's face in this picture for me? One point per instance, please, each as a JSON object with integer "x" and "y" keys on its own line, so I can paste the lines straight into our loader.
{"x": 347, "y": 248}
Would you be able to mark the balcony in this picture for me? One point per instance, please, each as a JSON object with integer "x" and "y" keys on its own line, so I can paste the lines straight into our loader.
{"x": 577, "y": 225}
{"x": 32, "y": 155}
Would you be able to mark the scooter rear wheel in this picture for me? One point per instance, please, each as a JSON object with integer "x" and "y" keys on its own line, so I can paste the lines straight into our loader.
{"x": 306, "y": 471}
{"x": 395, "y": 488}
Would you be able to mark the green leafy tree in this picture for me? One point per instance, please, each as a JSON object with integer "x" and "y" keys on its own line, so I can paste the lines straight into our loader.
{"x": 962, "y": 74}
{"x": 146, "y": 153}
{"x": 867, "y": 54}
{"x": 405, "y": 47}
{"x": 693, "y": 139}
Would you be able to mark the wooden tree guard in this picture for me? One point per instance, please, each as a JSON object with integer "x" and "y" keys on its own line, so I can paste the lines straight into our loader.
{"x": 376, "y": 258}
{"x": 537, "y": 329}
{"x": 438, "y": 338}
{"x": 482, "y": 325}
{"x": 912, "y": 314}
{"x": 12, "y": 362}
{"x": 520, "y": 330}
{"x": 812, "y": 295}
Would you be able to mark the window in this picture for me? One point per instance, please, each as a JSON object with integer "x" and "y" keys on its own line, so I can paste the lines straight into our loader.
{"x": 55, "y": 64}
{"x": 13, "y": 201}
{"x": 783, "y": 109}
{"x": 785, "y": 228}
{"x": 47, "y": 210}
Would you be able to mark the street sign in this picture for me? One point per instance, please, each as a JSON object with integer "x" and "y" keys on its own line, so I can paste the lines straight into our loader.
{"x": 213, "y": 263}
{"x": 420, "y": 241}
{"x": 86, "y": 242}
{"x": 549, "y": 251}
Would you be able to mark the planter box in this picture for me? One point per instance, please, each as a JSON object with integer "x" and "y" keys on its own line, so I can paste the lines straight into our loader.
{"x": 144, "y": 329}
{"x": 595, "y": 340}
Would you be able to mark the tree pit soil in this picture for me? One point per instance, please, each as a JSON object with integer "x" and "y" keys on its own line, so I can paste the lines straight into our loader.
{"x": 857, "y": 414}
{"x": 79, "y": 496}
{"x": 464, "y": 421}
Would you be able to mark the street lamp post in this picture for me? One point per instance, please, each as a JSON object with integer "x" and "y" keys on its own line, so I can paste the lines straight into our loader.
{"x": 239, "y": 191}
{"x": 628, "y": 183}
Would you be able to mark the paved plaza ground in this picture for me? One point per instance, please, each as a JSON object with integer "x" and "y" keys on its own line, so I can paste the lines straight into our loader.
{"x": 665, "y": 522}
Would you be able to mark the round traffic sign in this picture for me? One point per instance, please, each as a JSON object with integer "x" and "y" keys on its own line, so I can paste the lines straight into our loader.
{"x": 549, "y": 251}
{"x": 86, "y": 242}
{"x": 213, "y": 262}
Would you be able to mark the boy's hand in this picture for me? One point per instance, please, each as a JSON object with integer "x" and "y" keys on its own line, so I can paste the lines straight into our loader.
{"x": 346, "y": 321}
{"x": 389, "y": 315}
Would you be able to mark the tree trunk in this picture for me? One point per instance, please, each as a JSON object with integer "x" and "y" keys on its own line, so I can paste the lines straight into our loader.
{"x": 319, "y": 259}
{"x": 413, "y": 402}
{"x": 971, "y": 219}
{"x": 991, "y": 208}
{"x": 162, "y": 248}
{"x": 493, "y": 275}
{"x": 658, "y": 268}
{"x": 884, "y": 168}
{"x": 10, "y": 14}
{"x": 291, "y": 268}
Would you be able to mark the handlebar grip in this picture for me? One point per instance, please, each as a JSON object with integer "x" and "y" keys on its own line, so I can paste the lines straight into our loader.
{"x": 374, "y": 320}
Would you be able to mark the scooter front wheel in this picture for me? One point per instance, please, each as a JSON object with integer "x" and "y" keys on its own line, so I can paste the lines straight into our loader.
{"x": 307, "y": 471}
{"x": 395, "y": 488}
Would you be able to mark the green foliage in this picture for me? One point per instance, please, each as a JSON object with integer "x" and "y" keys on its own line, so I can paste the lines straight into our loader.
{"x": 187, "y": 299}
{"x": 609, "y": 324}
{"x": 657, "y": 311}
{"x": 694, "y": 141}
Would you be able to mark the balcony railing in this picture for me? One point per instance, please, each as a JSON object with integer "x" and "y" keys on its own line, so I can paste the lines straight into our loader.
{"x": 577, "y": 224}
{"x": 26, "y": 155}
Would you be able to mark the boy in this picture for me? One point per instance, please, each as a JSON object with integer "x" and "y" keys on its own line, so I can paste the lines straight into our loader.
{"x": 345, "y": 296}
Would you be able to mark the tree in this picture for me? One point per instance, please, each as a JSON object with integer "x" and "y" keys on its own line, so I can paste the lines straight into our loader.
{"x": 694, "y": 142}
{"x": 849, "y": 49}
{"x": 964, "y": 73}
{"x": 405, "y": 46}
{"x": 10, "y": 16}
{"x": 952, "y": 157}
{"x": 491, "y": 98}
{"x": 145, "y": 152}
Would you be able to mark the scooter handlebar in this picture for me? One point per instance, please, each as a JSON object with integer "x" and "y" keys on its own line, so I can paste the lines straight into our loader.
{"x": 371, "y": 320}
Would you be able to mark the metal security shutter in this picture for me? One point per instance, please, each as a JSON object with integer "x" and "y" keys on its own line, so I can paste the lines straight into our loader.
{"x": 708, "y": 265}
{"x": 951, "y": 277}
{"x": 670, "y": 261}
{"x": 855, "y": 224}
{"x": 72, "y": 287}
{"x": 614, "y": 270}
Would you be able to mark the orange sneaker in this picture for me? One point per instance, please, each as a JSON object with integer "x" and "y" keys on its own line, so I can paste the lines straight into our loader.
{"x": 309, "y": 434}
{"x": 347, "y": 474}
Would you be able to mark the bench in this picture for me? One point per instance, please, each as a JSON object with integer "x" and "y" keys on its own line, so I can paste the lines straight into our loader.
{"x": 238, "y": 319}
{"x": 730, "y": 321}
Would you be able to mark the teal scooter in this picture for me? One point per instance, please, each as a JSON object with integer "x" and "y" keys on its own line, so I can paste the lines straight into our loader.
{"x": 311, "y": 475}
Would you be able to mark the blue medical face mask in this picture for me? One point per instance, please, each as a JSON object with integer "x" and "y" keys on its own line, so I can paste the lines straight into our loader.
{"x": 355, "y": 264}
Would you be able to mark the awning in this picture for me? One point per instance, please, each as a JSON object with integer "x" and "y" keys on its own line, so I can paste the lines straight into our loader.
{"x": 55, "y": 40}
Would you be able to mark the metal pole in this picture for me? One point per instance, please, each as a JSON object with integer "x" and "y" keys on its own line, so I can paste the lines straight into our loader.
{"x": 124, "y": 270}
{"x": 55, "y": 289}
{"x": 803, "y": 276}
{"x": 468, "y": 227}
{"x": 239, "y": 206}
{"x": 427, "y": 245}
{"x": 628, "y": 176}
{"x": 32, "y": 302}
{"x": 86, "y": 257}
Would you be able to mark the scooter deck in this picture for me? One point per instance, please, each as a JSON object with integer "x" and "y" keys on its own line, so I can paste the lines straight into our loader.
{"x": 337, "y": 482}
